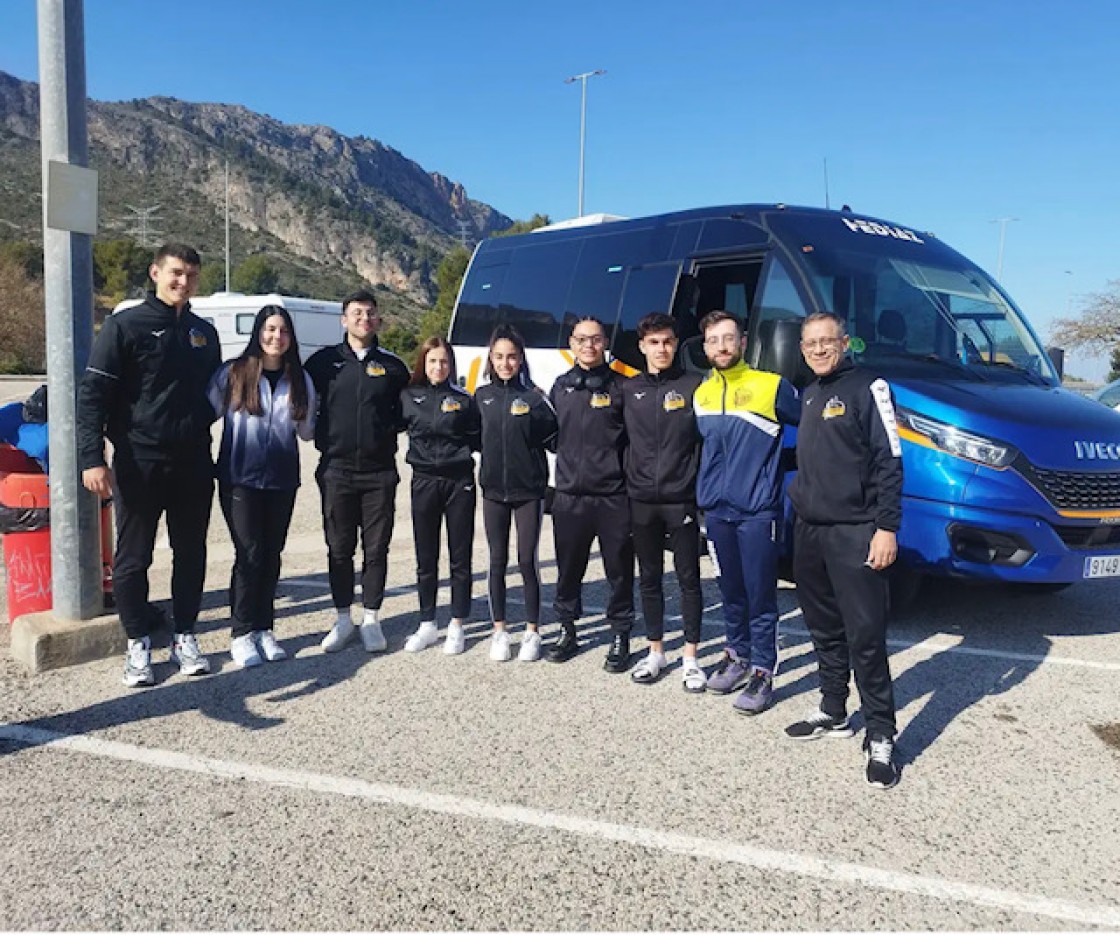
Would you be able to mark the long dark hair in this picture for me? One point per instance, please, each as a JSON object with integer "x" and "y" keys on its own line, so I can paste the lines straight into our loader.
{"x": 419, "y": 375}
{"x": 511, "y": 334}
{"x": 244, "y": 388}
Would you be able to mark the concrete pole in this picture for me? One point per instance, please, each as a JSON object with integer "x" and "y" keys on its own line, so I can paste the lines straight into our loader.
{"x": 68, "y": 287}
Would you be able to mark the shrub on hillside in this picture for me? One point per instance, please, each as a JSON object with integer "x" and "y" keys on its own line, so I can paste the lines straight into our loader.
{"x": 23, "y": 345}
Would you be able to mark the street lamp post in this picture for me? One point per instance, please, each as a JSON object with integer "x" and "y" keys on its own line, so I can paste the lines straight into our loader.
{"x": 582, "y": 79}
{"x": 1002, "y": 222}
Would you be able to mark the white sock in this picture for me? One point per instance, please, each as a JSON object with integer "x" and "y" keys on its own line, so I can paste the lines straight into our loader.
{"x": 344, "y": 615}
{"x": 370, "y": 617}
{"x": 689, "y": 662}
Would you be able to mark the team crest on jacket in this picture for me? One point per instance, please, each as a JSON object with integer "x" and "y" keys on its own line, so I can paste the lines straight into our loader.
{"x": 374, "y": 369}
{"x": 198, "y": 339}
{"x": 834, "y": 408}
{"x": 673, "y": 401}
{"x": 600, "y": 400}
{"x": 519, "y": 407}
{"x": 450, "y": 404}
{"x": 743, "y": 397}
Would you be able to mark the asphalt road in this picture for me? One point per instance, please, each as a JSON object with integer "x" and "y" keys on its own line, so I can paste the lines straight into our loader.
{"x": 423, "y": 791}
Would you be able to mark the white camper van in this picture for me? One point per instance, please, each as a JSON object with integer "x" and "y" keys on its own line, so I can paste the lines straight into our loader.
{"x": 318, "y": 323}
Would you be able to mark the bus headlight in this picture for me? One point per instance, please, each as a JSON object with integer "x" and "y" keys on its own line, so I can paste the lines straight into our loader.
{"x": 986, "y": 451}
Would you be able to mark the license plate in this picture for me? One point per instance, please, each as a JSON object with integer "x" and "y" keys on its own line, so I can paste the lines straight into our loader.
{"x": 1102, "y": 566}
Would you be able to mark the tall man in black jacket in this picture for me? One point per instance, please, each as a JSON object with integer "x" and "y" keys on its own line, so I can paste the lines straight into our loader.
{"x": 848, "y": 499}
{"x": 590, "y": 499}
{"x": 145, "y": 390}
{"x": 358, "y": 384}
{"x": 662, "y": 459}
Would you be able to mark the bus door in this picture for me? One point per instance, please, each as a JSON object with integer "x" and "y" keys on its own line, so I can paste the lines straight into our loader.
{"x": 724, "y": 283}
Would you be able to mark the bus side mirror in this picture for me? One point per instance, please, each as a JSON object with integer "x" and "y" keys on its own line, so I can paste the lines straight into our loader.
{"x": 1057, "y": 357}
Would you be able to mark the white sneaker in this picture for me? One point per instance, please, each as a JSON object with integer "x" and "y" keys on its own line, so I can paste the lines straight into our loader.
{"x": 243, "y": 649}
{"x": 455, "y": 641}
{"x": 270, "y": 649}
{"x": 372, "y": 638}
{"x": 185, "y": 652}
{"x": 530, "y": 647}
{"x": 499, "y": 646}
{"x": 341, "y": 634}
{"x": 138, "y": 663}
{"x": 427, "y": 634}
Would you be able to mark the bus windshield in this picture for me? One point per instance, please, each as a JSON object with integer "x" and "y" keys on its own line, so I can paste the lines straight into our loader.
{"x": 912, "y": 304}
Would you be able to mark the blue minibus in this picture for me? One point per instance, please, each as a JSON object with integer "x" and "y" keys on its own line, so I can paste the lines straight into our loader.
{"x": 1007, "y": 476}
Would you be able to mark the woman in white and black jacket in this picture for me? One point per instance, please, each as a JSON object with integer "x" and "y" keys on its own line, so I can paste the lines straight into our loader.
{"x": 266, "y": 401}
{"x": 442, "y": 424}
{"x": 518, "y": 425}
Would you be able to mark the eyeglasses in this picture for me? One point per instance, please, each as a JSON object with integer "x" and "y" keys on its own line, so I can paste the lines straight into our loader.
{"x": 821, "y": 344}
{"x": 360, "y": 313}
{"x": 723, "y": 340}
{"x": 582, "y": 340}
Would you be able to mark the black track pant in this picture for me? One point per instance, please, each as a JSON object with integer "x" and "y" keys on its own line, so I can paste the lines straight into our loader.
{"x": 142, "y": 492}
{"x": 844, "y": 604}
{"x": 436, "y": 500}
{"x": 654, "y": 526}
{"x": 353, "y": 501}
{"x": 258, "y": 521}
{"x": 496, "y": 519}
{"x": 577, "y": 520}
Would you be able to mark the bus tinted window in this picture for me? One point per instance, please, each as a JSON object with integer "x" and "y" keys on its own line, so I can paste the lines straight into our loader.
{"x": 536, "y": 287}
{"x": 478, "y": 305}
{"x": 601, "y": 272}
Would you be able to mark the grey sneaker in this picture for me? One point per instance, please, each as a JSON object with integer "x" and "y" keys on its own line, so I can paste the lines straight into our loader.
{"x": 138, "y": 663}
{"x": 185, "y": 652}
{"x": 758, "y": 695}
{"x": 728, "y": 675}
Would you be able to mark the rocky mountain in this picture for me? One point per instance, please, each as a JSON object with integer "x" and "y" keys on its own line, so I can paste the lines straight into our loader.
{"x": 307, "y": 196}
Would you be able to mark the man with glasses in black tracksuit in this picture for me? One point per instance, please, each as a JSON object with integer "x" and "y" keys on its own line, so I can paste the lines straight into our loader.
{"x": 848, "y": 499}
{"x": 590, "y": 499}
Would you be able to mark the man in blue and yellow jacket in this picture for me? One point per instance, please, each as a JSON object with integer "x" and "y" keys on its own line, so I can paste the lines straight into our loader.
{"x": 740, "y": 413}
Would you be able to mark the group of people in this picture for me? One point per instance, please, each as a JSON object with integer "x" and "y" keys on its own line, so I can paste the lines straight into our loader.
{"x": 637, "y": 460}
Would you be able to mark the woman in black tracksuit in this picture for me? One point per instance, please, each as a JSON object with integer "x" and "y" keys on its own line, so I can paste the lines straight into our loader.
{"x": 518, "y": 424}
{"x": 443, "y": 425}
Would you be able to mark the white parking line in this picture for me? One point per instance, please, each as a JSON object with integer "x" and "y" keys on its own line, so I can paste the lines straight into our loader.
{"x": 801, "y": 865}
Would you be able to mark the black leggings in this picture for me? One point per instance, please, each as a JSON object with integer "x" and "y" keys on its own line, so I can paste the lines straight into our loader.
{"x": 437, "y": 501}
{"x": 496, "y": 518}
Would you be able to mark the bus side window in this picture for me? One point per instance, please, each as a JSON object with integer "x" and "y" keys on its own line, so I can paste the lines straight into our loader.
{"x": 774, "y": 332}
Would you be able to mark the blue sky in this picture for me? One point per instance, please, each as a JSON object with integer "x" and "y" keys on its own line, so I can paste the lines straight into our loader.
{"x": 942, "y": 116}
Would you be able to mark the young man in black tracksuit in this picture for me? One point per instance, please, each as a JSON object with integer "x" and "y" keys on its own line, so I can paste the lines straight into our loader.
{"x": 145, "y": 390}
{"x": 358, "y": 384}
{"x": 590, "y": 499}
{"x": 662, "y": 458}
{"x": 848, "y": 499}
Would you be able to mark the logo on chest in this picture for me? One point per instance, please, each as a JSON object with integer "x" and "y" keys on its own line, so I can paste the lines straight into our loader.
{"x": 600, "y": 400}
{"x": 519, "y": 407}
{"x": 197, "y": 338}
{"x": 450, "y": 404}
{"x": 834, "y": 408}
{"x": 673, "y": 401}
{"x": 374, "y": 369}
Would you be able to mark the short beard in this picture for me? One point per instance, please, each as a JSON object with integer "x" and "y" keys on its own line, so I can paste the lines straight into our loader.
{"x": 736, "y": 359}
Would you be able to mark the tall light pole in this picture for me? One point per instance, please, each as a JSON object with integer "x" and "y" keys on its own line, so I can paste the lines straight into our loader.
{"x": 1002, "y": 222}
{"x": 1069, "y": 292}
{"x": 582, "y": 79}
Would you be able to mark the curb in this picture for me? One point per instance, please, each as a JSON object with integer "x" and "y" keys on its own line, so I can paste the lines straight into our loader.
{"x": 42, "y": 642}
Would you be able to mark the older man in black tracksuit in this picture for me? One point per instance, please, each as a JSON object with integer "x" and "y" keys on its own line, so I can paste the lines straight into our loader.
{"x": 662, "y": 459}
{"x": 358, "y": 384}
{"x": 848, "y": 498}
{"x": 590, "y": 499}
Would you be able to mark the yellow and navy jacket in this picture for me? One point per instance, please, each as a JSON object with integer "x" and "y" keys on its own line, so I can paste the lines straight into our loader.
{"x": 740, "y": 413}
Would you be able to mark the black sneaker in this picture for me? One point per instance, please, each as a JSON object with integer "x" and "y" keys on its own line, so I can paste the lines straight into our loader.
{"x": 618, "y": 656}
{"x": 819, "y": 724}
{"x": 565, "y": 647}
{"x": 881, "y": 771}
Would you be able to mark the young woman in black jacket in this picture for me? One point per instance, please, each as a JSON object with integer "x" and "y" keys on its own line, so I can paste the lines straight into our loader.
{"x": 518, "y": 425}
{"x": 443, "y": 424}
